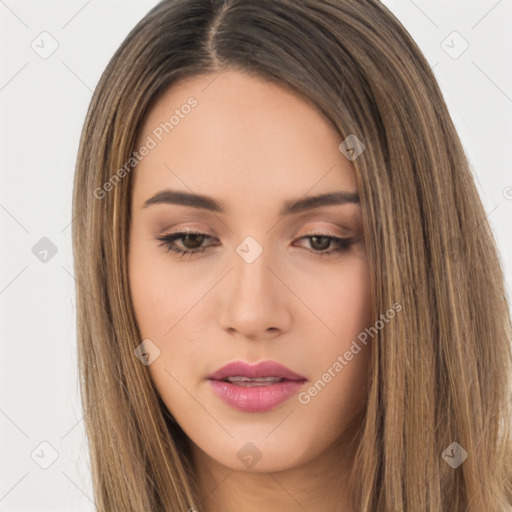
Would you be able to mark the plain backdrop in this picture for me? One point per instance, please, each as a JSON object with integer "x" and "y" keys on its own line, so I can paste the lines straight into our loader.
{"x": 43, "y": 101}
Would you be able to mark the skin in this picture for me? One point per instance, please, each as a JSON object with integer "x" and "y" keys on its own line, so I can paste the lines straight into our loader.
{"x": 252, "y": 145}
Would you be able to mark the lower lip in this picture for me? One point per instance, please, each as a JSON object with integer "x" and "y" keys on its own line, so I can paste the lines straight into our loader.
{"x": 255, "y": 398}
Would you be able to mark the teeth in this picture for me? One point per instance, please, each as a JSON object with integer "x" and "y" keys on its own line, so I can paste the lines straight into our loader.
{"x": 250, "y": 382}
{"x": 239, "y": 378}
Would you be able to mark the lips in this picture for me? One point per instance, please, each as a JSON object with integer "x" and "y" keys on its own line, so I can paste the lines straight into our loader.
{"x": 255, "y": 388}
{"x": 264, "y": 372}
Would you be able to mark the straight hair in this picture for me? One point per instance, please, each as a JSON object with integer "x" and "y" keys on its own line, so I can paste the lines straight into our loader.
{"x": 440, "y": 372}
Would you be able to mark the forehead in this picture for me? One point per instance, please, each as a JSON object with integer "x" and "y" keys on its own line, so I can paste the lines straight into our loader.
{"x": 243, "y": 137}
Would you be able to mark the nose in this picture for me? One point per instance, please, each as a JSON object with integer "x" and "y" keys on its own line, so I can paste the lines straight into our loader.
{"x": 256, "y": 300}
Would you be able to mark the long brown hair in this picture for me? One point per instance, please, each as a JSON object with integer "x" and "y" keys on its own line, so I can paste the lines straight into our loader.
{"x": 440, "y": 372}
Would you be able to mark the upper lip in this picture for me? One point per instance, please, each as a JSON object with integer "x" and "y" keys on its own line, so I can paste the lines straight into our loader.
{"x": 262, "y": 369}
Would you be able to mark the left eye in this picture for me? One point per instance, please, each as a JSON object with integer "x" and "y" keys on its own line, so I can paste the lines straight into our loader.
{"x": 192, "y": 243}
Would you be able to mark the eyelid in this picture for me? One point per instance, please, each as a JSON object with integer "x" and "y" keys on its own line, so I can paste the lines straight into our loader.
{"x": 326, "y": 229}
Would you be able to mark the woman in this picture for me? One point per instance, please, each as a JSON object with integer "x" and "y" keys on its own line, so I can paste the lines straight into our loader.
{"x": 289, "y": 294}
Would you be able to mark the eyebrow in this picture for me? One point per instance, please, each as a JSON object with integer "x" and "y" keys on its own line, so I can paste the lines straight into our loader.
{"x": 289, "y": 207}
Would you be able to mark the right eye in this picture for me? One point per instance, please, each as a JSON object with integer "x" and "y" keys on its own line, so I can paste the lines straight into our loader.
{"x": 191, "y": 241}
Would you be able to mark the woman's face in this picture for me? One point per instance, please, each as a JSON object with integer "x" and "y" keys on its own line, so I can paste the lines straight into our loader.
{"x": 260, "y": 286}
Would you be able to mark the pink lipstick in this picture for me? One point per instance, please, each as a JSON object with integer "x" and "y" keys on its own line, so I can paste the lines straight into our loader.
{"x": 255, "y": 388}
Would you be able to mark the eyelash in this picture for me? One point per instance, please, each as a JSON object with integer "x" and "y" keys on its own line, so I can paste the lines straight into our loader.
{"x": 167, "y": 241}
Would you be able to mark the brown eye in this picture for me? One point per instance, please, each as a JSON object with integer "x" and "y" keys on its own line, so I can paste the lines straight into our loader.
{"x": 320, "y": 242}
{"x": 191, "y": 242}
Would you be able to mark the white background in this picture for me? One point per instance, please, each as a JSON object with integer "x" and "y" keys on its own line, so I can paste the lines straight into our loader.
{"x": 42, "y": 107}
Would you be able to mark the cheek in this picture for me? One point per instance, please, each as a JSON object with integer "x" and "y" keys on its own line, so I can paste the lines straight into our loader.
{"x": 343, "y": 303}
{"x": 161, "y": 294}
{"x": 162, "y": 299}
{"x": 169, "y": 309}
{"x": 353, "y": 300}
{"x": 340, "y": 299}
